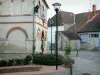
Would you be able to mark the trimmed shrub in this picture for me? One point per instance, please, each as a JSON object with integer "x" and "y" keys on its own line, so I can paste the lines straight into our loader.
{"x": 10, "y": 62}
{"x": 69, "y": 61}
{"x": 19, "y": 62}
{"x": 27, "y": 60}
{"x": 47, "y": 59}
{"x": 3, "y": 63}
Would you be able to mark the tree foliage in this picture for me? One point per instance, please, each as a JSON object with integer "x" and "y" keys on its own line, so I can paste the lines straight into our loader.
{"x": 1, "y": 3}
{"x": 67, "y": 50}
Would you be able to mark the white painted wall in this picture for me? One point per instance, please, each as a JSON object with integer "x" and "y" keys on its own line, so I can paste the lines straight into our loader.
{"x": 16, "y": 36}
{"x": 18, "y": 9}
{"x": 41, "y": 11}
{"x": 62, "y": 41}
{"x": 91, "y": 41}
{"x": 65, "y": 41}
{"x": 84, "y": 38}
{"x": 27, "y": 26}
{"x": 6, "y": 7}
{"x": 16, "y": 19}
{"x": 66, "y": 26}
{"x": 60, "y": 28}
{"x": 75, "y": 44}
{"x": 38, "y": 42}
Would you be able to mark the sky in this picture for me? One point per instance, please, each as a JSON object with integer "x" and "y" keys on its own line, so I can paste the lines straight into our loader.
{"x": 75, "y": 6}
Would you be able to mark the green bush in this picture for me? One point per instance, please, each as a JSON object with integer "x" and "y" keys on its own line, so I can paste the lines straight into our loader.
{"x": 47, "y": 59}
{"x": 67, "y": 50}
{"x": 10, "y": 62}
{"x": 27, "y": 59}
{"x": 19, "y": 62}
{"x": 69, "y": 61}
{"x": 3, "y": 63}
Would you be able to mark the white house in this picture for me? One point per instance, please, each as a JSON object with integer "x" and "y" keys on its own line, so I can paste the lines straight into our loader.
{"x": 65, "y": 21}
{"x": 87, "y": 26}
{"x": 19, "y": 27}
{"x": 92, "y": 31}
{"x": 66, "y": 38}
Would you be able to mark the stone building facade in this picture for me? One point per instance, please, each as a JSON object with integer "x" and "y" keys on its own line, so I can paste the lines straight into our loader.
{"x": 19, "y": 27}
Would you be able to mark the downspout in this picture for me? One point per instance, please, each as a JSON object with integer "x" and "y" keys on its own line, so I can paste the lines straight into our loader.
{"x": 33, "y": 47}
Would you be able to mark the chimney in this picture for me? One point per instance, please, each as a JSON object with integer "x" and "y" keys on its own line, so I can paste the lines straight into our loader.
{"x": 89, "y": 15}
{"x": 94, "y": 9}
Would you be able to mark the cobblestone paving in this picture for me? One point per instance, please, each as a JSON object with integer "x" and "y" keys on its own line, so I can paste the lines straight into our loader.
{"x": 88, "y": 62}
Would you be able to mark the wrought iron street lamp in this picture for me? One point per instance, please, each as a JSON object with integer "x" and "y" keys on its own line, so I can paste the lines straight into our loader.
{"x": 51, "y": 23}
{"x": 56, "y": 7}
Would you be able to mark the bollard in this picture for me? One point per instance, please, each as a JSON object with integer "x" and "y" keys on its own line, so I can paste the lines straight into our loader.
{"x": 77, "y": 53}
{"x": 71, "y": 73}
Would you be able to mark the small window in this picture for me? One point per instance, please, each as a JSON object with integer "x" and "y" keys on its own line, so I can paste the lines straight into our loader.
{"x": 94, "y": 35}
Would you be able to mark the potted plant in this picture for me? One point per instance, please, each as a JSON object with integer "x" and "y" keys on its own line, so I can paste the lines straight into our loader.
{"x": 68, "y": 61}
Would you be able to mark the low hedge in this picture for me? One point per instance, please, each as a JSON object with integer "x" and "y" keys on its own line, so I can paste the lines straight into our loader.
{"x": 16, "y": 62}
{"x": 3, "y": 63}
{"x": 11, "y": 62}
{"x": 42, "y": 59}
{"x": 27, "y": 59}
{"x": 47, "y": 59}
{"x": 19, "y": 62}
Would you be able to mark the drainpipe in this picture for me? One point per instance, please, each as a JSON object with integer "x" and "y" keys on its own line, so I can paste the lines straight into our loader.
{"x": 33, "y": 47}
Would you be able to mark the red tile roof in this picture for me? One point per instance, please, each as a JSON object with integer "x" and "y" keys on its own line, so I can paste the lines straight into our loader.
{"x": 82, "y": 20}
{"x": 96, "y": 17}
{"x": 92, "y": 25}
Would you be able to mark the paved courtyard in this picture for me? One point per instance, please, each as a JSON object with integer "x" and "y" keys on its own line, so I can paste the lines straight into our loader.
{"x": 87, "y": 62}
